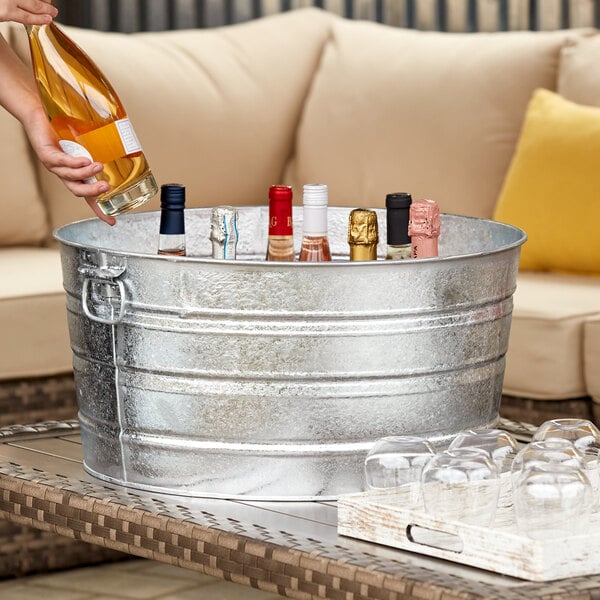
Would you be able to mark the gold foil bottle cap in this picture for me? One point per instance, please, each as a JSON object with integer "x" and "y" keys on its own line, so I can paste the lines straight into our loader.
{"x": 362, "y": 227}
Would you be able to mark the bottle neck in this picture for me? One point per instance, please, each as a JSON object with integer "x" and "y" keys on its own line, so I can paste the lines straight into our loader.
{"x": 172, "y": 222}
{"x": 397, "y": 226}
{"x": 314, "y": 221}
{"x": 280, "y": 218}
{"x": 363, "y": 252}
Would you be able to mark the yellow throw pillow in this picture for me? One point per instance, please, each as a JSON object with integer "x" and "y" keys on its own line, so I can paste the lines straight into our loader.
{"x": 552, "y": 189}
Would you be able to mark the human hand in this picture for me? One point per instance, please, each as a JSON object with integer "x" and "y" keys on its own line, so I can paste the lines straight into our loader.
{"x": 28, "y": 12}
{"x": 72, "y": 170}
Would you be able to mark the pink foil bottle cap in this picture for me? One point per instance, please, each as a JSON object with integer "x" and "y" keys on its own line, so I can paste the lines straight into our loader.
{"x": 424, "y": 218}
{"x": 424, "y": 228}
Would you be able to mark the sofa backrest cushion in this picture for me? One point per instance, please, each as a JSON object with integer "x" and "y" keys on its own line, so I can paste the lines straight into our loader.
{"x": 23, "y": 219}
{"x": 579, "y": 72}
{"x": 215, "y": 110}
{"x": 434, "y": 114}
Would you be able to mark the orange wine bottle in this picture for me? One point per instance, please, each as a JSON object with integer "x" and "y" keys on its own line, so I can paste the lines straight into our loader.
{"x": 89, "y": 118}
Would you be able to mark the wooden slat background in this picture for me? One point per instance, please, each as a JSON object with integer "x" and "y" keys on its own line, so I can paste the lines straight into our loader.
{"x": 443, "y": 15}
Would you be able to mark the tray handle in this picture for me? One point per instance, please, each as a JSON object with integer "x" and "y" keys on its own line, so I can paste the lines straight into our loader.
{"x": 434, "y": 538}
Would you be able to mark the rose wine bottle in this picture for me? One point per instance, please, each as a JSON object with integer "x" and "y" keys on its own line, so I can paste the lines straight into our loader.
{"x": 89, "y": 118}
{"x": 315, "y": 245}
{"x": 281, "y": 233}
{"x": 424, "y": 228}
{"x": 397, "y": 215}
{"x": 171, "y": 239}
{"x": 363, "y": 234}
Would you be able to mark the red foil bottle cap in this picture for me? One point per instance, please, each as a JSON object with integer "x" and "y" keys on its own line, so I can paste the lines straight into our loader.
{"x": 280, "y": 210}
{"x": 280, "y": 192}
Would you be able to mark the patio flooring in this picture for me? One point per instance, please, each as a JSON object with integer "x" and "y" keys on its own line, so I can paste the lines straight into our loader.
{"x": 127, "y": 580}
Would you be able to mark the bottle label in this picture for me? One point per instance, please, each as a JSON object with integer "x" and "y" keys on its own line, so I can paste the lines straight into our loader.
{"x": 128, "y": 137}
{"x": 107, "y": 143}
{"x": 280, "y": 218}
{"x": 77, "y": 150}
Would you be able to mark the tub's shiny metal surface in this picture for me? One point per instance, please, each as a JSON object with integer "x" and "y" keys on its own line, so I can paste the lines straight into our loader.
{"x": 272, "y": 380}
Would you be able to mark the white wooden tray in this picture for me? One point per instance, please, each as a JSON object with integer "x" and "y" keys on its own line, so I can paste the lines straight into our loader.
{"x": 388, "y": 518}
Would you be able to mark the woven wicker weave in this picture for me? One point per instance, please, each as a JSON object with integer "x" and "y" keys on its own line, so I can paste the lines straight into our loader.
{"x": 23, "y": 549}
{"x": 536, "y": 412}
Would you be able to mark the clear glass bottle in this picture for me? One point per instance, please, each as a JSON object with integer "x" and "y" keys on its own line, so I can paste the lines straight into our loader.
{"x": 280, "y": 246}
{"x": 315, "y": 244}
{"x": 224, "y": 232}
{"x": 397, "y": 215}
{"x": 363, "y": 234}
{"x": 171, "y": 239}
{"x": 89, "y": 119}
{"x": 424, "y": 228}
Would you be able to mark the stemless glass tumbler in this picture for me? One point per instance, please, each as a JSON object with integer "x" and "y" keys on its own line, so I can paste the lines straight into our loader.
{"x": 585, "y": 436}
{"x": 396, "y": 461}
{"x": 500, "y": 445}
{"x": 552, "y": 500}
{"x": 461, "y": 485}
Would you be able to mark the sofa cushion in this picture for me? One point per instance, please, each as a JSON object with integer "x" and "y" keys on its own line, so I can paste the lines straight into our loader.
{"x": 578, "y": 73}
{"x": 552, "y": 189}
{"x": 591, "y": 357}
{"x": 435, "y": 114}
{"x": 35, "y": 339}
{"x": 546, "y": 347}
{"x": 23, "y": 218}
{"x": 214, "y": 109}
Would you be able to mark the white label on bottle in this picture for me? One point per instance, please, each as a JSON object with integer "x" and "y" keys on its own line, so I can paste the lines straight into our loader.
{"x": 128, "y": 137}
{"x": 77, "y": 150}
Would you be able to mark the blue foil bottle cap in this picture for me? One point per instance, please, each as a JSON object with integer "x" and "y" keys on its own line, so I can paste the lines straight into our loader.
{"x": 172, "y": 203}
{"x": 172, "y": 196}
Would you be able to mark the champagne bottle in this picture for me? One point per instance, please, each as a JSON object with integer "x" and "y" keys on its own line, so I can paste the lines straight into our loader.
{"x": 315, "y": 244}
{"x": 363, "y": 234}
{"x": 424, "y": 228}
{"x": 89, "y": 118}
{"x": 281, "y": 234}
{"x": 171, "y": 239}
{"x": 397, "y": 215}
{"x": 224, "y": 232}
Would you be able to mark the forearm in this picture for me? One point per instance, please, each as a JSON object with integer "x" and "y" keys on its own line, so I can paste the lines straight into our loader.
{"x": 18, "y": 92}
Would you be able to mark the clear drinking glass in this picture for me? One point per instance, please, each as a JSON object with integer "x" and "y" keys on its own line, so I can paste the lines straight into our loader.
{"x": 500, "y": 445}
{"x": 546, "y": 452}
{"x": 502, "y": 449}
{"x": 397, "y": 461}
{"x": 461, "y": 485}
{"x": 552, "y": 500}
{"x": 585, "y": 436}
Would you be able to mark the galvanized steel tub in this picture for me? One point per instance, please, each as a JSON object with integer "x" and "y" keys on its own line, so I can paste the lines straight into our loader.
{"x": 272, "y": 380}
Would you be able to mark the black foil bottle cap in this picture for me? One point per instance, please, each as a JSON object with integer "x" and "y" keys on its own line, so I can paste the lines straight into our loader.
{"x": 172, "y": 203}
{"x": 397, "y": 216}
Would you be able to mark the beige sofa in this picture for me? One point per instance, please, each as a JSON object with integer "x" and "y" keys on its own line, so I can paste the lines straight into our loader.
{"x": 305, "y": 97}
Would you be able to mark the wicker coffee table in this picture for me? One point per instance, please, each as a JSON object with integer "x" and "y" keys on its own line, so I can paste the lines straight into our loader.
{"x": 290, "y": 548}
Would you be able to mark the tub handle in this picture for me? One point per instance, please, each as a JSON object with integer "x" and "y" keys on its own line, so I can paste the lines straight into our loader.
{"x": 109, "y": 286}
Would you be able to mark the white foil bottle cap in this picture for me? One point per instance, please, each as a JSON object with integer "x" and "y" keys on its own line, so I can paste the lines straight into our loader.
{"x": 315, "y": 194}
